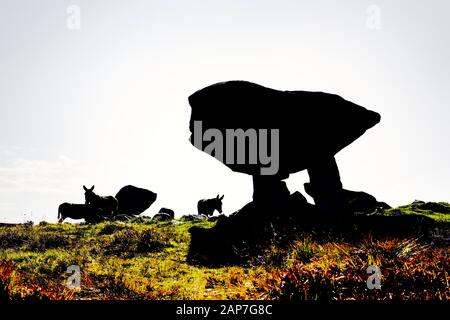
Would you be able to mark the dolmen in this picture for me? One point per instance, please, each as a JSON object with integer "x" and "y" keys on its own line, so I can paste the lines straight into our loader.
{"x": 270, "y": 134}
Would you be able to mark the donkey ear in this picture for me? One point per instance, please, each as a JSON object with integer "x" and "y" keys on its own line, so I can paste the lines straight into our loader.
{"x": 92, "y": 189}
{"x": 217, "y": 197}
{"x": 85, "y": 189}
{"x": 222, "y": 197}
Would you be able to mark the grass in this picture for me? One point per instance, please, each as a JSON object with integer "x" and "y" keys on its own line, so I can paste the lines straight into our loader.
{"x": 147, "y": 260}
{"x": 440, "y": 213}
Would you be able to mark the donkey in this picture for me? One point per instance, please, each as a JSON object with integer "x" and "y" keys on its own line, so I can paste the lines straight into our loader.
{"x": 108, "y": 204}
{"x": 207, "y": 206}
{"x": 79, "y": 211}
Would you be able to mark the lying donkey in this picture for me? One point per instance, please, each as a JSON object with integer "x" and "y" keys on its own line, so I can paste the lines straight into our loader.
{"x": 79, "y": 211}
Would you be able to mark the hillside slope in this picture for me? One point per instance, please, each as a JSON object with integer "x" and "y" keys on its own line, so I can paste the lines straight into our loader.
{"x": 142, "y": 259}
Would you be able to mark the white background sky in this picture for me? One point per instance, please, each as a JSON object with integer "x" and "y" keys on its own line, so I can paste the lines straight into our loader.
{"x": 107, "y": 104}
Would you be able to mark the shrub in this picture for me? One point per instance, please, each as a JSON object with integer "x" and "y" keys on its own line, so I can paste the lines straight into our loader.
{"x": 110, "y": 228}
{"x": 420, "y": 276}
{"x": 132, "y": 242}
{"x": 13, "y": 238}
{"x": 46, "y": 241}
{"x": 304, "y": 251}
{"x": 15, "y": 286}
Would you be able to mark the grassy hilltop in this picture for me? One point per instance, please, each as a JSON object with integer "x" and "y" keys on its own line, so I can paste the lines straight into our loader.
{"x": 141, "y": 259}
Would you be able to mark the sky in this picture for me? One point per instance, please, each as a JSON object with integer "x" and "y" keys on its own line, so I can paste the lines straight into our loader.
{"x": 94, "y": 92}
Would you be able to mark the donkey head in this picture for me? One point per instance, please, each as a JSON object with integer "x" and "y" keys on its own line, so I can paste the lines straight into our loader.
{"x": 218, "y": 203}
{"x": 89, "y": 194}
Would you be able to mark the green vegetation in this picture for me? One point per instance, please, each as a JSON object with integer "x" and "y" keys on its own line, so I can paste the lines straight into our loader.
{"x": 439, "y": 211}
{"x": 147, "y": 260}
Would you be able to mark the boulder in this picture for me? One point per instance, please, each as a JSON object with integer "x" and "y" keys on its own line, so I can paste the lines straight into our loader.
{"x": 123, "y": 217}
{"x": 312, "y": 125}
{"x": 216, "y": 218}
{"x": 439, "y": 207}
{"x": 162, "y": 217}
{"x": 170, "y": 212}
{"x": 356, "y": 202}
{"x": 193, "y": 217}
{"x": 134, "y": 201}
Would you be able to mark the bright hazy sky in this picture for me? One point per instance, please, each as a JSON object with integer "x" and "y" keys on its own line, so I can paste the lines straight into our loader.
{"x": 106, "y": 104}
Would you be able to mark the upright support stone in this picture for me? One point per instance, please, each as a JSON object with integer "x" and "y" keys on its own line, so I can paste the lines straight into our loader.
{"x": 270, "y": 194}
{"x": 325, "y": 186}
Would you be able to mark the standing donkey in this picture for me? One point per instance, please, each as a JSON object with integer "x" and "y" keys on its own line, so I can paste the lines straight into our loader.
{"x": 108, "y": 204}
{"x": 207, "y": 206}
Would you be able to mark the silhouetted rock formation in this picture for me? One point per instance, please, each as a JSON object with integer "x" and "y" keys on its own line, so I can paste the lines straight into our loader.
{"x": 162, "y": 217}
{"x": 313, "y": 127}
{"x": 306, "y": 128}
{"x": 357, "y": 202}
{"x": 134, "y": 200}
{"x": 363, "y": 203}
{"x": 216, "y": 218}
{"x": 194, "y": 217}
{"x": 431, "y": 206}
{"x": 124, "y": 217}
{"x": 168, "y": 211}
{"x": 229, "y": 240}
